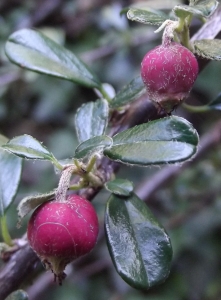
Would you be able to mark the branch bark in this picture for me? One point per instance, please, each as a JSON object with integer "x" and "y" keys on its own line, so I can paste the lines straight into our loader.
{"x": 22, "y": 263}
{"x": 16, "y": 270}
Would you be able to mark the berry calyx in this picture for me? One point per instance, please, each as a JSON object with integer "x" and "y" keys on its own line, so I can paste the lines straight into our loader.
{"x": 169, "y": 72}
{"x": 60, "y": 232}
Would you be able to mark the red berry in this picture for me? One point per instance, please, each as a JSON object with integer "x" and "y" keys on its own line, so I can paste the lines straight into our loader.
{"x": 60, "y": 232}
{"x": 169, "y": 73}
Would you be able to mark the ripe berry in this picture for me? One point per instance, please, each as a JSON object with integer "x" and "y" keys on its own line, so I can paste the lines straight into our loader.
{"x": 169, "y": 73}
{"x": 60, "y": 232}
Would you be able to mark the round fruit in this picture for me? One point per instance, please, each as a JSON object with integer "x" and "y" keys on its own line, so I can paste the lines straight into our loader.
{"x": 169, "y": 73}
{"x": 60, "y": 232}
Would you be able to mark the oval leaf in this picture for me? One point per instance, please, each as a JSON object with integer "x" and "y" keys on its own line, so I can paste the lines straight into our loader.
{"x": 29, "y": 203}
{"x": 129, "y": 93}
{"x": 120, "y": 186}
{"x": 167, "y": 140}
{"x": 91, "y": 119}
{"x": 18, "y": 295}
{"x": 201, "y": 9}
{"x": 139, "y": 246}
{"x": 95, "y": 144}
{"x": 34, "y": 51}
{"x": 27, "y": 147}
{"x": 11, "y": 168}
{"x": 146, "y": 16}
{"x": 210, "y": 49}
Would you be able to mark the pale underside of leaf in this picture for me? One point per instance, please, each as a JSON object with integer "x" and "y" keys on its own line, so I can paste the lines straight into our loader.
{"x": 209, "y": 49}
{"x": 29, "y": 203}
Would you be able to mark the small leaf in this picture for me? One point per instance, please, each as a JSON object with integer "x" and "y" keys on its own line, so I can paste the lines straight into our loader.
{"x": 18, "y": 295}
{"x": 95, "y": 144}
{"x": 91, "y": 119}
{"x": 34, "y": 51}
{"x": 129, "y": 93}
{"x": 29, "y": 203}
{"x": 120, "y": 186}
{"x": 26, "y": 146}
{"x": 146, "y": 16}
{"x": 11, "y": 168}
{"x": 139, "y": 246}
{"x": 210, "y": 49}
{"x": 204, "y": 8}
{"x": 167, "y": 140}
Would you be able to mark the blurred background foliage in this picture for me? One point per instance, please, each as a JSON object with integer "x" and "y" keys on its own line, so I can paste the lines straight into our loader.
{"x": 44, "y": 107}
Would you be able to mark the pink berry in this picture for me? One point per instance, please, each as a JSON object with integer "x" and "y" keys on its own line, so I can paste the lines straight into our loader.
{"x": 60, "y": 232}
{"x": 169, "y": 73}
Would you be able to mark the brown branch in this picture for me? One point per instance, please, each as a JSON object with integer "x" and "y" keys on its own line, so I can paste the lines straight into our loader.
{"x": 21, "y": 263}
{"x": 16, "y": 270}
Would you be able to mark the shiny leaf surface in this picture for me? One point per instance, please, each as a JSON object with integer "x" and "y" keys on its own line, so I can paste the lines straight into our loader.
{"x": 91, "y": 119}
{"x": 167, "y": 140}
{"x": 95, "y": 144}
{"x": 11, "y": 168}
{"x": 28, "y": 147}
{"x": 34, "y": 51}
{"x": 129, "y": 93}
{"x": 139, "y": 246}
{"x": 120, "y": 186}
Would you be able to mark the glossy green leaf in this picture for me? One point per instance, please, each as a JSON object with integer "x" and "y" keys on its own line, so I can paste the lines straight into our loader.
{"x": 11, "y": 168}
{"x": 28, "y": 147}
{"x": 139, "y": 246}
{"x": 95, "y": 144}
{"x": 29, "y": 203}
{"x": 34, "y": 51}
{"x": 129, "y": 93}
{"x": 18, "y": 295}
{"x": 91, "y": 119}
{"x": 167, "y": 140}
{"x": 210, "y": 49}
{"x": 120, "y": 186}
{"x": 203, "y": 8}
{"x": 146, "y": 16}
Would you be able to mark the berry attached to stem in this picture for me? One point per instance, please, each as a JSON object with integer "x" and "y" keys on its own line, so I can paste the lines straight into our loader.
{"x": 169, "y": 72}
{"x": 60, "y": 232}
